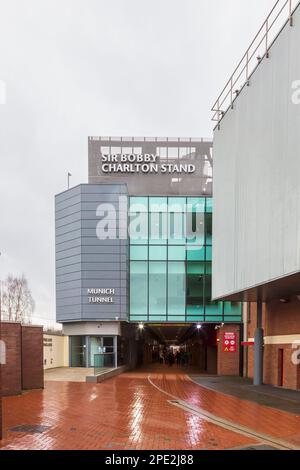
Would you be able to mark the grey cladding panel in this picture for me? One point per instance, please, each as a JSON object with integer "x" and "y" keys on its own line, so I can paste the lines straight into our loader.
{"x": 104, "y": 189}
{"x": 84, "y": 261}
{"x": 68, "y": 261}
{"x": 68, "y": 202}
{"x": 68, "y": 253}
{"x": 68, "y": 244}
{"x": 71, "y": 219}
{"x": 69, "y": 194}
{"x": 71, "y": 268}
{"x": 60, "y": 214}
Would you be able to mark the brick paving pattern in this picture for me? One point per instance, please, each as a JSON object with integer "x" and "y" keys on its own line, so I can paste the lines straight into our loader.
{"x": 128, "y": 412}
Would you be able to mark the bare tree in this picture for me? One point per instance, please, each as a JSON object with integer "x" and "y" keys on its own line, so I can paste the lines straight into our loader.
{"x": 17, "y": 302}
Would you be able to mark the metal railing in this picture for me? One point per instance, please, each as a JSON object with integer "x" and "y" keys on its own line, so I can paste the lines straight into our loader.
{"x": 281, "y": 13}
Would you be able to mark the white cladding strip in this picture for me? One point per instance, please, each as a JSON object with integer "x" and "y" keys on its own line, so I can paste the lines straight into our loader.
{"x": 283, "y": 339}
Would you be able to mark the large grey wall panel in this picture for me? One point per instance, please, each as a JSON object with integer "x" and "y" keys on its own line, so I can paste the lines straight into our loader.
{"x": 83, "y": 261}
{"x": 256, "y": 224}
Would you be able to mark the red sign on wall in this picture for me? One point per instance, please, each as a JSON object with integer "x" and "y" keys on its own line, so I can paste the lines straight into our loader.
{"x": 229, "y": 342}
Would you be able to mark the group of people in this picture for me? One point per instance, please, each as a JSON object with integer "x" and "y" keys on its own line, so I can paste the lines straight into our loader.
{"x": 166, "y": 356}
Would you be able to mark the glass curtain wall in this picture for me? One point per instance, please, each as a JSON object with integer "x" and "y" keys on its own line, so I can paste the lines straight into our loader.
{"x": 170, "y": 262}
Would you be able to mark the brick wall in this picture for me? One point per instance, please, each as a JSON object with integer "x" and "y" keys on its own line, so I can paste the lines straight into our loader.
{"x": 283, "y": 318}
{"x": 32, "y": 358}
{"x": 24, "y": 358}
{"x": 1, "y": 424}
{"x": 272, "y": 369}
{"x": 228, "y": 363}
{"x": 11, "y": 371}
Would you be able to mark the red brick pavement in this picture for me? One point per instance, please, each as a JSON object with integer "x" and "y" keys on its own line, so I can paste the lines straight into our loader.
{"x": 128, "y": 412}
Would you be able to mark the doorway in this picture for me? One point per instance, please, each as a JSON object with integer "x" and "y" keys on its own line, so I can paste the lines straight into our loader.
{"x": 93, "y": 351}
{"x": 78, "y": 351}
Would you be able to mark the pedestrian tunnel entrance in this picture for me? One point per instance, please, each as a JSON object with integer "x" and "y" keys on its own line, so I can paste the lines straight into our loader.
{"x": 179, "y": 345}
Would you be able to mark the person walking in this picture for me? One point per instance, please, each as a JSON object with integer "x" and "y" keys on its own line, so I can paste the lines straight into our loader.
{"x": 161, "y": 357}
{"x": 171, "y": 359}
{"x": 178, "y": 358}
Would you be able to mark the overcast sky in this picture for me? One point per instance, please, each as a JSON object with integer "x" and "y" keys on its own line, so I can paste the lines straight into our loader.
{"x": 74, "y": 68}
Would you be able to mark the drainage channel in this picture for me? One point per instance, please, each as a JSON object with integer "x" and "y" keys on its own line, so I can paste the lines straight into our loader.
{"x": 209, "y": 417}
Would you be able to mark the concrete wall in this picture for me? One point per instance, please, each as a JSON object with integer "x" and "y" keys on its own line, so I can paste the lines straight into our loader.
{"x": 256, "y": 226}
{"x": 84, "y": 261}
{"x": 56, "y": 351}
{"x": 93, "y": 329}
{"x": 195, "y": 151}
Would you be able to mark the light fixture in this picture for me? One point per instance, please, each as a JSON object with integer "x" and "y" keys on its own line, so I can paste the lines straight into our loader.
{"x": 199, "y": 326}
{"x": 141, "y": 326}
{"x": 284, "y": 301}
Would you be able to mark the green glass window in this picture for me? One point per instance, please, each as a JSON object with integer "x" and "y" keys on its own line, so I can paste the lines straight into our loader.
{"x": 139, "y": 288}
{"x": 157, "y": 318}
{"x": 196, "y": 204}
{"x": 209, "y": 205}
{"x": 157, "y": 288}
{"x": 177, "y": 228}
{"x": 157, "y": 253}
{"x": 195, "y": 253}
{"x": 195, "y": 318}
{"x": 208, "y": 268}
{"x": 208, "y": 253}
{"x": 195, "y": 310}
{"x": 197, "y": 268}
{"x": 195, "y": 232}
{"x": 176, "y": 253}
{"x": 177, "y": 204}
{"x": 208, "y": 229}
{"x": 207, "y": 288}
{"x": 232, "y": 309}
{"x": 158, "y": 228}
{"x": 214, "y": 309}
{"x": 214, "y": 319}
{"x": 195, "y": 288}
{"x": 170, "y": 262}
{"x": 158, "y": 204}
{"x": 176, "y": 289}
{"x": 138, "y": 253}
{"x": 138, "y": 204}
{"x": 138, "y": 318}
{"x": 138, "y": 228}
